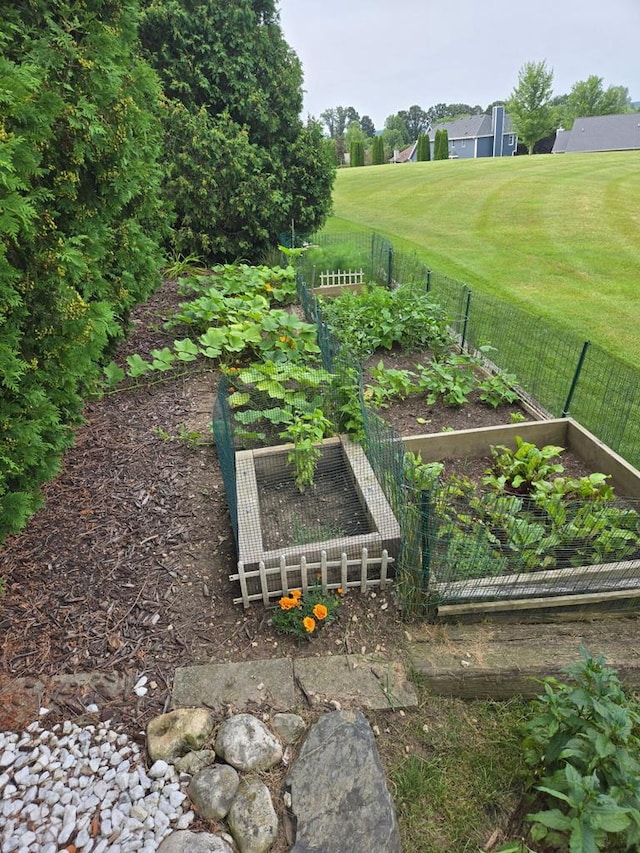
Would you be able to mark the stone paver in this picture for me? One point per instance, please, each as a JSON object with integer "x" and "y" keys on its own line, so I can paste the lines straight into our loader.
{"x": 238, "y": 685}
{"x": 356, "y": 680}
{"x": 352, "y": 680}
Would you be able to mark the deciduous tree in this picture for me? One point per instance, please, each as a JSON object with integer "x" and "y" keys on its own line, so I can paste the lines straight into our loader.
{"x": 529, "y": 105}
{"x": 368, "y": 127}
{"x": 590, "y": 98}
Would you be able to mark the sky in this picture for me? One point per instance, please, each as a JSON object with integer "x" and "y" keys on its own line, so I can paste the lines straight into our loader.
{"x": 380, "y": 56}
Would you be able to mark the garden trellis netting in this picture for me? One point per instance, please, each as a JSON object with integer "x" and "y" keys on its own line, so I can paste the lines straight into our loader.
{"x": 446, "y": 538}
{"x": 565, "y": 374}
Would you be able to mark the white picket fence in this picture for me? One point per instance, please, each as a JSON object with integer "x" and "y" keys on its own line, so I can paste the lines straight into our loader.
{"x": 340, "y": 278}
{"x": 263, "y": 584}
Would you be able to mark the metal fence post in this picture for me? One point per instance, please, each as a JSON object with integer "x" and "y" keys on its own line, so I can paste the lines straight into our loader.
{"x": 576, "y": 377}
{"x": 428, "y": 281}
{"x": 466, "y": 319}
{"x": 425, "y": 509}
{"x": 390, "y": 266}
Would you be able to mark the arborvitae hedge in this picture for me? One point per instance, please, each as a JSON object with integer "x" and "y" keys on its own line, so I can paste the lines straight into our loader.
{"x": 80, "y": 221}
{"x": 424, "y": 147}
{"x": 377, "y": 151}
{"x": 441, "y": 146}
{"x": 356, "y": 154}
{"x": 240, "y": 164}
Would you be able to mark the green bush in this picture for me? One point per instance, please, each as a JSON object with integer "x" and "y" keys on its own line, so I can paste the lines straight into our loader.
{"x": 377, "y": 151}
{"x": 240, "y": 165}
{"x": 356, "y": 153}
{"x": 582, "y": 749}
{"x": 79, "y": 221}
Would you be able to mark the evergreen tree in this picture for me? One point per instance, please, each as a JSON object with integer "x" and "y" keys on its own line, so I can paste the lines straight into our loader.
{"x": 80, "y": 220}
{"x": 377, "y": 151}
{"x": 233, "y": 130}
{"x": 423, "y": 151}
{"x": 356, "y": 153}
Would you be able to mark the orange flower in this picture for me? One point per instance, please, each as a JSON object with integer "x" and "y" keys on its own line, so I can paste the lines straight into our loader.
{"x": 296, "y": 593}
{"x": 340, "y": 591}
{"x": 268, "y": 286}
{"x": 320, "y": 612}
{"x": 309, "y": 624}
{"x": 283, "y": 338}
{"x": 287, "y": 603}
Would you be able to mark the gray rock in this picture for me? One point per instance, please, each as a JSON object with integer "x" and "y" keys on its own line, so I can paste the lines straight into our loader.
{"x": 174, "y": 734}
{"x": 339, "y": 795}
{"x": 185, "y": 841}
{"x": 194, "y": 761}
{"x": 212, "y": 791}
{"x": 289, "y": 727}
{"x": 247, "y": 744}
{"x": 252, "y": 818}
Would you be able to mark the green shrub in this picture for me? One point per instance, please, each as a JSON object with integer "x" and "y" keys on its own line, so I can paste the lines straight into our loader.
{"x": 356, "y": 153}
{"x": 582, "y": 749}
{"x": 377, "y": 151}
{"x": 79, "y": 221}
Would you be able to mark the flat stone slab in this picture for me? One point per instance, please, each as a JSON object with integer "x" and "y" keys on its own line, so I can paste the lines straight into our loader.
{"x": 239, "y": 685}
{"x": 339, "y": 796}
{"x": 359, "y": 681}
{"x": 356, "y": 681}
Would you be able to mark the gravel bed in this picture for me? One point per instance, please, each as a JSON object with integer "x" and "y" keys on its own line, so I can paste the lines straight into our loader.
{"x": 85, "y": 789}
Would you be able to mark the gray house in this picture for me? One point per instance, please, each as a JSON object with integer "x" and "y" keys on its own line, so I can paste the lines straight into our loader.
{"x": 599, "y": 133}
{"x": 475, "y": 136}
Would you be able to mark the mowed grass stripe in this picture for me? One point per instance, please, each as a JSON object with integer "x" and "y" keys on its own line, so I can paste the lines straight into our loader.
{"x": 559, "y": 235}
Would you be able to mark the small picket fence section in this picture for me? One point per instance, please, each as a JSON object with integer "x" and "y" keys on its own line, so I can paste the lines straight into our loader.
{"x": 341, "y": 278}
{"x": 267, "y": 584}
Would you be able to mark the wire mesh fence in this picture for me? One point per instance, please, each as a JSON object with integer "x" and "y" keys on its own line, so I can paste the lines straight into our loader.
{"x": 308, "y": 509}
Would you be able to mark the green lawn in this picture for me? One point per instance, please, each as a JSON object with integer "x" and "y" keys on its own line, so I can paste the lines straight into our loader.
{"x": 556, "y": 234}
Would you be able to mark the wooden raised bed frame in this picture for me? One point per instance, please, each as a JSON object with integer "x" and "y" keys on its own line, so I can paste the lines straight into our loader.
{"x": 517, "y": 592}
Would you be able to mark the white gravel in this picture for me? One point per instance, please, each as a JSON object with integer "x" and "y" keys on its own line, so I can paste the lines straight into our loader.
{"x": 87, "y": 787}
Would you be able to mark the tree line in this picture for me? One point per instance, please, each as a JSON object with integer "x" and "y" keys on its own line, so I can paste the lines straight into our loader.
{"x": 535, "y": 114}
{"x": 130, "y": 132}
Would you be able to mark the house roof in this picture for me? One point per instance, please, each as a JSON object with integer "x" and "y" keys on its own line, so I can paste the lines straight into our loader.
{"x": 405, "y": 155}
{"x": 600, "y": 133}
{"x": 471, "y": 127}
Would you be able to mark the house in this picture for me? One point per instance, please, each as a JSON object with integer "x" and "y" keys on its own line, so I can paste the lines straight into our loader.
{"x": 475, "y": 136}
{"x": 407, "y": 155}
{"x": 480, "y": 136}
{"x": 599, "y": 133}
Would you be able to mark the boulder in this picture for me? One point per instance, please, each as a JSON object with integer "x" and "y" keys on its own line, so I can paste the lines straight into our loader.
{"x": 174, "y": 734}
{"x": 247, "y": 744}
{"x": 339, "y": 795}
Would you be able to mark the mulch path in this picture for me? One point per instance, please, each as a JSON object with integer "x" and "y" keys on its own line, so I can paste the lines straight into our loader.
{"x": 126, "y": 567}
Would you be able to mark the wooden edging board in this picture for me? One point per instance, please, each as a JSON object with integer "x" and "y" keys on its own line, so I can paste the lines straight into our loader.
{"x": 564, "y": 432}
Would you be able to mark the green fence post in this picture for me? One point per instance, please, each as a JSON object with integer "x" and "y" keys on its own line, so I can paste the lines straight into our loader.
{"x": 390, "y": 266}
{"x": 576, "y": 377}
{"x": 425, "y": 508}
{"x": 428, "y": 281}
{"x": 466, "y": 319}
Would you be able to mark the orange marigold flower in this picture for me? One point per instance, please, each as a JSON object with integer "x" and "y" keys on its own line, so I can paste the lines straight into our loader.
{"x": 296, "y": 593}
{"x": 268, "y": 286}
{"x": 340, "y": 591}
{"x": 309, "y": 624}
{"x": 287, "y": 603}
{"x": 283, "y": 338}
{"x": 320, "y": 612}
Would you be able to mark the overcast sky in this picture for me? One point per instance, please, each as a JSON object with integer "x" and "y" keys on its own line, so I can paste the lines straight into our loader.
{"x": 381, "y": 56}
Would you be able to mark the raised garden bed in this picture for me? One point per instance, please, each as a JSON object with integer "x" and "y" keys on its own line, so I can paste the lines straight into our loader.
{"x": 502, "y": 587}
{"x": 340, "y": 532}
